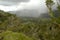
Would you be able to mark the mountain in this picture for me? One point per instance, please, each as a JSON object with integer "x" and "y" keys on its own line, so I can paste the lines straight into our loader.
{"x": 34, "y": 13}
{"x": 27, "y": 13}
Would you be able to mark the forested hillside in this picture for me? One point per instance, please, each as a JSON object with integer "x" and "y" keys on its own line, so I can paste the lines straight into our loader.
{"x": 13, "y": 27}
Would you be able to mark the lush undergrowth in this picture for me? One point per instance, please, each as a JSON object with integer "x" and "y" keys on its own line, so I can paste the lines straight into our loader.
{"x": 16, "y": 28}
{"x": 9, "y": 35}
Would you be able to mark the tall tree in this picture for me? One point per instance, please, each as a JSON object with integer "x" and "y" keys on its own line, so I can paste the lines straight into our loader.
{"x": 49, "y": 4}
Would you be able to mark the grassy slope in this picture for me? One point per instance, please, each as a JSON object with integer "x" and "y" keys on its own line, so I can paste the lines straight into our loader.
{"x": 9, "y": 35}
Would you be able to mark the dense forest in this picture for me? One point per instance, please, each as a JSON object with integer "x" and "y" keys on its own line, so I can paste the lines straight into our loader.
{"x": 13, "y": 27}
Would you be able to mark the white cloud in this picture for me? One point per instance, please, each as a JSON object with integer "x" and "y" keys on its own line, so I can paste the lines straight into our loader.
{"x": 32, "y": 4}
{"x": 6, "y": 3}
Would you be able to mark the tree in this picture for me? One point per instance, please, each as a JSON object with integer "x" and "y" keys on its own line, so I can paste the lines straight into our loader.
{"x": 49, "y": 4}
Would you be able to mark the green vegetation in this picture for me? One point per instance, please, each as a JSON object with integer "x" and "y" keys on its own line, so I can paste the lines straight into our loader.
{"x": 19, "y": 28}
{"x": 8, "y": 35}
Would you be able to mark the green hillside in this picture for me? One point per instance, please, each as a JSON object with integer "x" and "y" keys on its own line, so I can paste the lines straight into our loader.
{"x": 13, "y": 27}
{"x": 10, "y": 22}
{"x": 19, "y": 28}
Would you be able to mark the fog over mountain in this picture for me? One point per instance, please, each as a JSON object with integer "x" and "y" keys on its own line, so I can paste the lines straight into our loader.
{"x": 25, "y": 7}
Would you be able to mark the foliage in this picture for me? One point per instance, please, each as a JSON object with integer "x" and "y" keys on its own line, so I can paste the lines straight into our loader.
{"x": 19, "y": 28}
{"x": 8, "y": 35}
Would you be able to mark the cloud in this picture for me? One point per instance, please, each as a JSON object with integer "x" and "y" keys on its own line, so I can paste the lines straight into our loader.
{"x": 15, "y": 0}
{"x": 5, "y": 3}
{"x": 32, "y": 4}
{"x": 11, "y": 2}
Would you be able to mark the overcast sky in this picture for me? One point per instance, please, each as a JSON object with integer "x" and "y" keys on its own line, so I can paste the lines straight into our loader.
{"x": 13, "y": 5}
{"x": 18, "y": 5}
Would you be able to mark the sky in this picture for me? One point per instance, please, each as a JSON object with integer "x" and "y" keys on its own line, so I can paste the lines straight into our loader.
{"x": 13, "y": 5}
{"x": 21, "y": 5}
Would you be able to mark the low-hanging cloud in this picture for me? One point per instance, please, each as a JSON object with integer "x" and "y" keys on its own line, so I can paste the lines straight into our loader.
{"x": 31, "y": 8}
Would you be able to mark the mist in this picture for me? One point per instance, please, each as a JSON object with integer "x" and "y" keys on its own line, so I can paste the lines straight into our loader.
{"x": 25, "y": 7}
